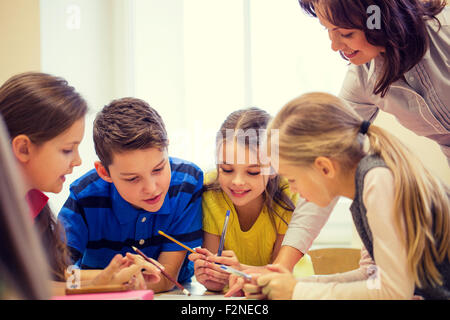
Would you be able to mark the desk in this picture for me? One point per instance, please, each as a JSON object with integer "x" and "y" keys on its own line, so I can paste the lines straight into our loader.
{"x": 197, "y": 290}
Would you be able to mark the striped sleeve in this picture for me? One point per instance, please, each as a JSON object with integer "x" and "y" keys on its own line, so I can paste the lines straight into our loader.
{"x": 73, "y": 219}
{"x": 186, "y": 193}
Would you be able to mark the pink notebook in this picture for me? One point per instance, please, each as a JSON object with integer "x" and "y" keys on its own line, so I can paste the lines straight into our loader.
{"x": 123, "y": 295}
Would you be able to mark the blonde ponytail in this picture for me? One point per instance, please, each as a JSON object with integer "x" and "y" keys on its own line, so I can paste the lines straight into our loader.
{"x": 421, "y": 201}
{"x": 320, "y": 124}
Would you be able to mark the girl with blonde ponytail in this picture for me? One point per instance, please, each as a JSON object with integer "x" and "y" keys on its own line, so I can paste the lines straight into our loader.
{"x": 400, "y": 210}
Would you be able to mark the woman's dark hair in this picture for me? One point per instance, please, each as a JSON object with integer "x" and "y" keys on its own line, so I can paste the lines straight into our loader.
{"x": 403, "y": 31}
{"x": 42, "y": 106}
{"x": 253, "y": 120}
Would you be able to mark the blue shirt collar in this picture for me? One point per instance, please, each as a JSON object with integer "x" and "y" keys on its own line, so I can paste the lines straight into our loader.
{"x": 126, "y": 213}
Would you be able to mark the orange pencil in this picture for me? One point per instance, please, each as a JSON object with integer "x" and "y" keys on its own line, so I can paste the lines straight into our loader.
{"x": 168, "y": 276}
{"x": 176, "y": 241}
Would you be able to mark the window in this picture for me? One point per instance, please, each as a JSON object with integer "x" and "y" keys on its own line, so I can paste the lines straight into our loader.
{"x": 195, "y": 61}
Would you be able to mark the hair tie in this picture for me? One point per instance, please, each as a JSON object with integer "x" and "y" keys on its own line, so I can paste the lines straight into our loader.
{"x": 364, "y": 127}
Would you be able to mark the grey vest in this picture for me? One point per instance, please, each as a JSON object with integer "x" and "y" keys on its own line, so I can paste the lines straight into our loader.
{"x": 359, "y": 214}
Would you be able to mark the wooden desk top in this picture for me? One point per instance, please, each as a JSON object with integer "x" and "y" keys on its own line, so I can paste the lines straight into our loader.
{"x": 198, "y": 292}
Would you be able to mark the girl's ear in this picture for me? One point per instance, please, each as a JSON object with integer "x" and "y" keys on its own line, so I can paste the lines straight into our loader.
{"x": 102, "y": 172}
{"x": 21, "y": 147}
{"x": 325, "y": 166}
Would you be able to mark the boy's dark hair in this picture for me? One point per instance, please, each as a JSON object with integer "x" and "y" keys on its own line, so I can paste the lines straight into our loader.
{"x": 403, "y": 31}
{"x": 127, "y": 124}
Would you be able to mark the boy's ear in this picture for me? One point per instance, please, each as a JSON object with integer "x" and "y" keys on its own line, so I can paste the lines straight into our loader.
{"x": 21, "y": 147}
{"x": 325, "y": 166}
{"x": 102, "y": 172}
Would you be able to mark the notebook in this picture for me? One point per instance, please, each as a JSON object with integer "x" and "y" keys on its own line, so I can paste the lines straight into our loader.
{"x": 121, "y": 295}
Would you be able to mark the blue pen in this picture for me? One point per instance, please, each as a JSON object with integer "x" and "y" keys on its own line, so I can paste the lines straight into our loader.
{"x": 236, "y": 272}
{"x": 224, "y": 230}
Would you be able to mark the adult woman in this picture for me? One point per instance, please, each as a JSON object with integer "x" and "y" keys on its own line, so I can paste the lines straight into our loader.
{"x": 398, "y": 52}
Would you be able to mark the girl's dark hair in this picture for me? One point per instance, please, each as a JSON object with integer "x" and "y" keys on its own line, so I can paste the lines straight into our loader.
{"x": 403, "y": 31}
{"x": 242, "y": 121}
{"x": 42, "y": 106}
{"x": 23, "y": 266}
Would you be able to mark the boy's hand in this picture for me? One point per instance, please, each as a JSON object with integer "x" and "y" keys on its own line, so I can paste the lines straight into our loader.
{"x": 150, "y": 273}
{"x": 120, "y": 271}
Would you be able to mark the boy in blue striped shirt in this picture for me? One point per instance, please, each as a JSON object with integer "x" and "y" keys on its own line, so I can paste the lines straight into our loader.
{"x": 135, "y": 190}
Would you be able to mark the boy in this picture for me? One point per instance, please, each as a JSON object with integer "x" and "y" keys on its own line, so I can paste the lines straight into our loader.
{"x": 135, "y": 190}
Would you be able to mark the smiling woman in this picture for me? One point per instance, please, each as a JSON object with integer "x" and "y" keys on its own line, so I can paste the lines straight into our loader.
{"x": 400, "y": 65}
{"x": 351, "y": 43}
{"x": 401, "y": 36}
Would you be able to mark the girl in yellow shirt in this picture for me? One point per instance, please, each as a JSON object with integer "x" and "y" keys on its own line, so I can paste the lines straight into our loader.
{"x": 259, "y": 201}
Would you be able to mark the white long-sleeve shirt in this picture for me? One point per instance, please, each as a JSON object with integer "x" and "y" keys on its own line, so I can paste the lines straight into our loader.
{"x": 305, "y": 225}
{"x": 420, "y": 101}
{"x": 390, "y": 278}
{"x": 426, "y": 116}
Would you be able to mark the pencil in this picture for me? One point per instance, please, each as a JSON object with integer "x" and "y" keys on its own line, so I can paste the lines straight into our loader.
{"x": 236, "y": 272}
{"x": 168, "y": 276}
{"x": 176, "y": 241}
{"x": 224, "y": 231}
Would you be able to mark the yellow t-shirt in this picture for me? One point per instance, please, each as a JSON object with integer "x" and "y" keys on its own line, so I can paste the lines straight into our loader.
{"x": 253, "y": 247}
